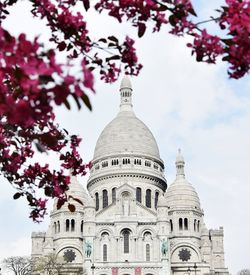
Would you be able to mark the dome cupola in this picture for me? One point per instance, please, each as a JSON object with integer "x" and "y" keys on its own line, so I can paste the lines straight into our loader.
{"x": 181, "y": 194}
{"x": 126, "y": 148}
{"x": 126, "y": 134}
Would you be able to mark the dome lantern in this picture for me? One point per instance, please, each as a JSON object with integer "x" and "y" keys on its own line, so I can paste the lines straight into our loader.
{"x": 181, "y": 194}
{"x": 126, "y": 94}
{"x": 126, "y": 133}
{"x": 180, "y": 163}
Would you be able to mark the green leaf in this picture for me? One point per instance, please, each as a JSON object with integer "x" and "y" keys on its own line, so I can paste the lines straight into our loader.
{"x": 59, "y": 204}
{"x": 45, "y": 79}
{"x": 66, "y": 103}
{"x": 70, "y": 46}
{"x": 86, "y": 101}
{"x": 61, "y": 46}
{"x": 29, "y": 198}
{"x": 86, "y": 4}
{"x": 71, "y": 207}
{"x": 113, "y": 38}
{"x": 17, "y": 196}
{"x": 77, "y": 101}
{"x": 48, "y": 191}
{"x": 172, "y": 20}
{"x": 111, "y": 44}
{"x": 103, "y": 40}
{"x": 191, "y": 11}
{"x": 228, "y": 42}
{"x": 141, "y": 29}
{"x": 114, "y": 57}
{"x": 79, "y": 201}
{"x": 226, "y": 58}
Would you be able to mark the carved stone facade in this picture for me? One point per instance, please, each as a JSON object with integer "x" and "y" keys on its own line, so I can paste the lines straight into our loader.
{"x": 131, "y": 223}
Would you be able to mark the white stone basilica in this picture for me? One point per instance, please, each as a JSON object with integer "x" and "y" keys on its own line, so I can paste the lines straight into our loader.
{"x": 131, "y": 223}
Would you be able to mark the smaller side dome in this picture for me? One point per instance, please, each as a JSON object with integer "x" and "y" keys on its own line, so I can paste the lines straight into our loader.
{"x": 75, "y": 188}
{"x": 181, "y": 194}
{"x": 162, "y": 202}
{"x": 204, "y": 230}
{"x": 89, "y": 202}
{"x": 77, "y": 191}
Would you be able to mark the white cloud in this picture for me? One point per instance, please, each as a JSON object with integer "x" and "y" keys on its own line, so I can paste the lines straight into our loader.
{"x": 185, "y": 104}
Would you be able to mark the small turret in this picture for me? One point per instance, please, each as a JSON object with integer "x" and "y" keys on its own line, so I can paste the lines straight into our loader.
{"x": 162, "y": 202}
{"x": 126, "y": 94}
{"x": 180, "y": 163}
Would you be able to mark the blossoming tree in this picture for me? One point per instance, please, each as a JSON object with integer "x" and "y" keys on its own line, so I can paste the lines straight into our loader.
{"x": 32, "y": 81}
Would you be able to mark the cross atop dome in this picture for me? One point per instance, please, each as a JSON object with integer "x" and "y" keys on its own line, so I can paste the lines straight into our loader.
{"x": 126, "y": 94}
{"x": 180, "y": 163}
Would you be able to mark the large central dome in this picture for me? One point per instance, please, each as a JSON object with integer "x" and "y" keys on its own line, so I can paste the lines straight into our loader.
{"x": 126, "y": 133}
{"x": 126, "y": 149}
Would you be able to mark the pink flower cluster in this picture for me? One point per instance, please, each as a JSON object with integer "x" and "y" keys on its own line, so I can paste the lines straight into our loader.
{"x": 32, "y": 81}
{"x": 235, "y": 18}
{"x": 139, "y": 12}
{"x": 206, "y": 47}
{"x": 179, "y": 17}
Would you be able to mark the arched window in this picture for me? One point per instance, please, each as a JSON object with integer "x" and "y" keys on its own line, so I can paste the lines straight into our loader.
{"x": 81, "y": 226}
{"x": 198, "y": 226}
{"x": 156, "y": 166}
{"x": 148, "y": 198}
{"x": 104, "y": 164}
{"x": 104, "y": 198}
{"x": 171, "y": 226}
{"x": 96, "y": 201}
{"x": 180, "y": 224}
{"x": 195, "y": 225}
{"x": 147, "y": 252}
{"x": 138, "y": 194}
{"x": 114, "y": 194}
{"x": 55, "y": 227}
{"x": 156, "y": 198}
{"x": 67, "y": 225}
{"x": 186, "y": 224}
{"x": 126, "y": 234}
{"x": 58, "y": 227}
{"x": 126, "y": 161}
{"x": 115, "y": 162}
{"x": 105, "y": 253}
{"x": 105, "y": 235}
{"x": 72, "y": 225}
{"x": 137, "y": 161}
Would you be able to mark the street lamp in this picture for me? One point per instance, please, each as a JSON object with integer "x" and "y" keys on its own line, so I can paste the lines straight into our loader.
{"x": 93, "y": 269}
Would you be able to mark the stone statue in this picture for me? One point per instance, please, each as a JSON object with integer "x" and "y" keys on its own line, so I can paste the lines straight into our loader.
{"x": 88, "y": 248}
{"x": 164, "y": 247}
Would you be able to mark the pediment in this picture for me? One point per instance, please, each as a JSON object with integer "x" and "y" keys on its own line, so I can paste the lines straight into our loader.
{"x": 135, "y": 212}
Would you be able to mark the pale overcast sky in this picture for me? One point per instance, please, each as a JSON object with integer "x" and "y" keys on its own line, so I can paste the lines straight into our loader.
{"x": 185, "y": 104}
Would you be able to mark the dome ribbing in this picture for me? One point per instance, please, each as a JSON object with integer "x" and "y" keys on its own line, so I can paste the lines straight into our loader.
{"x": 181, "y": 194}
{"x": 126, "y": 133}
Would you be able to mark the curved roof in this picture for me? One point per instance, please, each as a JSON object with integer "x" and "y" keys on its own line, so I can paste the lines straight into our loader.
{"x": 162, "y": 202}
{"x": 181, "y": 193}
{"x": 76, "y": 189}
{"x": 126, "y": 133}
